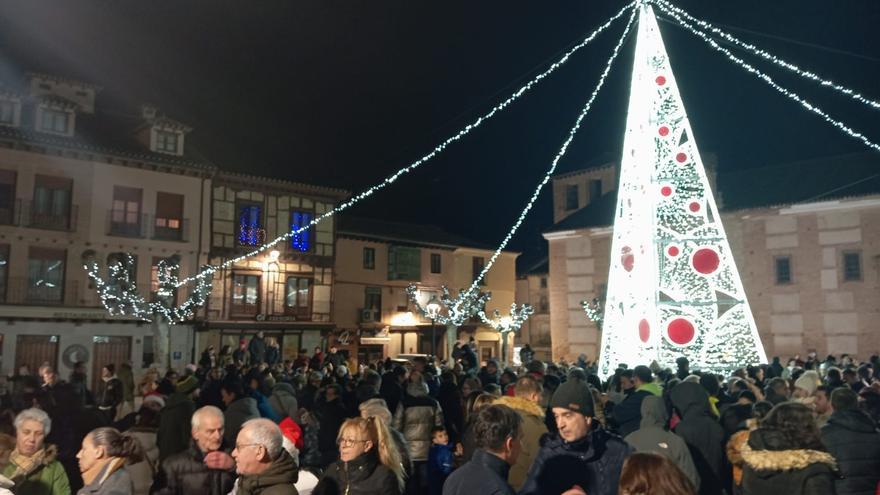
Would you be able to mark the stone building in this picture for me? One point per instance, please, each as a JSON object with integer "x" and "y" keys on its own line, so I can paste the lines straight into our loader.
{"x": 533, "y": 288}
{"x": 805, "y": 237}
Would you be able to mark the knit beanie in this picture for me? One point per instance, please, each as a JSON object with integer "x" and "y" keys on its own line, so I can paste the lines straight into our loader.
{"x": 187, "y": 385}
{"x": 809, "y": 381}
{"x": 574, "y": 395}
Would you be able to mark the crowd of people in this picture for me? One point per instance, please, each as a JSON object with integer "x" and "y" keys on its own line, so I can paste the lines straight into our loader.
{"x": 247, "y": 421}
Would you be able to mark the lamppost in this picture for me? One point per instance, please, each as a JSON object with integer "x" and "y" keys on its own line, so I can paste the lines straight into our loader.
{"x": 433, "y": 310}
{"x": 505, "y": 325}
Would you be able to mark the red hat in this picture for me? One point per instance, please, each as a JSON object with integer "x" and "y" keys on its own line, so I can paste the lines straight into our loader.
{"x": 292, "y": 432}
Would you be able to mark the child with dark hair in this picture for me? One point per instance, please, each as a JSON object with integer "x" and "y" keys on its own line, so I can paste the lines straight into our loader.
{"x": 440, "y": 459}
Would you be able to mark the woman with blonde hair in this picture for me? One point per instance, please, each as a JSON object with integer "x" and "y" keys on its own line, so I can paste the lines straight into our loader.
{"x": 378, "y": 408}
{"x": 368, "y": 460}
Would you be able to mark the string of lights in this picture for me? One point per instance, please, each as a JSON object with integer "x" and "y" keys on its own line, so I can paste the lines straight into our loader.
{"x": 559, "y": 154}
{"x": 677, "y": 13}
{"x": 455, "y": 314}
{"x": 412, "y": 166}
{"x": 511, "y": 323}
{"x": 785, "y": 91}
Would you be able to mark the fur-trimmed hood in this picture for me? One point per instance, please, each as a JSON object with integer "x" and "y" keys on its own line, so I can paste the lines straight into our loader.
{"x": 521, "y": 405}
{"x": 785, "y": 460}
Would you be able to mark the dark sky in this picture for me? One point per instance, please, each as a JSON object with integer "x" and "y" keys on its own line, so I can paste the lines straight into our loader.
{"x": 344, "y": 93}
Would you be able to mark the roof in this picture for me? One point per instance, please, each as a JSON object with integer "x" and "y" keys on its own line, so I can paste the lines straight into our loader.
{"x": 400, "y": 232}
{"x": 817, "y": 179}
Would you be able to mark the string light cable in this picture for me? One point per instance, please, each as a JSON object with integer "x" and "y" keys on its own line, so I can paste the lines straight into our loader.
{"x": 678, "y": 13}
{"x": 559, "y": 154}
{"x": 412, "y": 166}
{"x": 785, "y": 91}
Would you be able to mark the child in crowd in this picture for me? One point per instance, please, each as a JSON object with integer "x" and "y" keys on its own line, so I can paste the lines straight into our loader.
{"x": 440, "y": 460}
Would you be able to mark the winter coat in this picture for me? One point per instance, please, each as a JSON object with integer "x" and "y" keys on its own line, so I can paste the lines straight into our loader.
{"x": 272, "y": 355}
{"x": 416, "y": 415}
{"x": 110, "y": 393}
{"x": 235, "y": 415}
{"x": 142, "y": 473}
{"x": 773, "y": 468}
{"x": 627, "y": 415}
{"x": 278, "y": 479}
{"x": 265, "y": 409}
{"x": 594, "y": 463}
{"x": 47, "y": 478}
{"x": 652, "y": 436}
{"x": 852, "y": 438}
{"x": 533, "y": 429}
{"x": 257, "y": 350}
{"x": 335, "y": 358}
{"x": 283, "y": 400}
{"x": 441, "y": 462}
{"x": 330, "y": 416}
{"x": 702, "y": 434}
{"x": 118, "y": 482}
{"x": 185, "y": 473}
{"x": 361, "y": 476}
{"x": 487, "y": 378}
{"x": 241, "y": 356}
{"x": 449, "y": 397}
{"x": 174, "y": 425}
{"x": 484, "y": 474}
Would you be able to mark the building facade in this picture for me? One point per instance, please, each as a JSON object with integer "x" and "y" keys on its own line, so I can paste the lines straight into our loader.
{"x": 806, "y": 243}
{"x": 76, "y": 182}
{"x": 533, "y": 288}
{"x": 377, "y": 260}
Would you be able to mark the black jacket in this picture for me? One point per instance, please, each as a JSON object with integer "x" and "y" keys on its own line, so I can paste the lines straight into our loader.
{"x": 852, "y": 438}
{"x": 702, "y": 434}
{"x": 185, "y": 473}
{"x": 594, "y": 463}
{"x": 628, "y": 414}
{"x": 362, "y": 476}
{"x": 484, "y": 474}
{"x": 330, "y": 415}
{"x": 770, "y": 467}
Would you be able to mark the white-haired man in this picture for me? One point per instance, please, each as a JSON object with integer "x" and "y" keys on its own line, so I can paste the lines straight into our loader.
{"x": 32, "y": 465}
{"x": 264, "y": 467}
{"x": 206, "y": 467}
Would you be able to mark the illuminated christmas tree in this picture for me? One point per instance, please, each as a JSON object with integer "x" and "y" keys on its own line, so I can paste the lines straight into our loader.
{"x": 673, "y": 287}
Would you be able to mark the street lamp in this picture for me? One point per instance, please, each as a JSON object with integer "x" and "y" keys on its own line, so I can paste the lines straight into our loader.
{"x": 433, "y": 310}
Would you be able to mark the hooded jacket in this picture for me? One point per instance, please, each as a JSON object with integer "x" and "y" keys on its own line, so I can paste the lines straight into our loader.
{"x": 416, "y": 415}
{"x": 594, "y": 463}
{"x": 652, "y": 436}
{"x": 702, "y": 434}
{"x": 773, "y": 468}
{"x": 283, "y": 400}
{"x": 46, "y": 478}
{"x": 278, "y": 479}
{"x": 852, "y": 438}
{"x": 361, "y": 476}
{"x": 236, "y": 413}
{"x": 533, "y": 429}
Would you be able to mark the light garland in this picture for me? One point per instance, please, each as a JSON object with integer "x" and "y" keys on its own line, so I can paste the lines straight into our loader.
{"x": 456, "y": 314}
{"x": 767, "y": 79}
{"x": 595, "y": 310}
{"x": 559, "y": 154}
{"x": 412, "y": 166}
{"x": 506, "y": 324}
{"x": 673, "y": 11}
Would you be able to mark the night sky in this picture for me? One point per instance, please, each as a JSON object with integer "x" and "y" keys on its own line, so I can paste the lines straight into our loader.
{"x": 344, "y": 93}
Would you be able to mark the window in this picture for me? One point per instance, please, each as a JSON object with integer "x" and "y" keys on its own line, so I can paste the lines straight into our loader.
{"x": 7, "y": 196}
{"x": 125, "y": 218}
{"x": 301, "y": 241}
{"x": 543, "y": 282}
{"x": 571, "y": 197}
{"x": 404, "y": 263}
{"x": 783, "y": 269}
{"x": 436, "y": 266}
{"x": 477, "y": 265}
{"x": 4, "y": 270}
{"x": 298, "y": 297}
{"x": 852, "y": 266}
{"x": 245, "y": 294}
{"x": 369, "y": 258}
{"x": 250, "y": 225}
{"x": 51, "y": 204}
{"x": 7, "y": 112}
{"x": 54, "y": 121}
{"x": 169, "y": 217}
{"x": 166, "y": 142}
{"x": 543, "y": 305}
{"x": 45, "y": 283}
{"x": 595, "y": 189}
{"x": 373, "y": 298}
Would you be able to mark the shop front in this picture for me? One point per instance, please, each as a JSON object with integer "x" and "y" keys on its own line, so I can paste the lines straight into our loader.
{"x": 291, "y": 335}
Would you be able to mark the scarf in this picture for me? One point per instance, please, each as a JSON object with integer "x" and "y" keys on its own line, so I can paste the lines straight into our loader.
{"x": 25, "y": 465}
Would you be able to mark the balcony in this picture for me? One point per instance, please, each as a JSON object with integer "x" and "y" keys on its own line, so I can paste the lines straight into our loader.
{"x": 240, "y": 309}
{"x": 20, "y": 290}
{"x": 144, "y": 226}
{"x": 39, "y": 217}
{"x": 165, "y": 229}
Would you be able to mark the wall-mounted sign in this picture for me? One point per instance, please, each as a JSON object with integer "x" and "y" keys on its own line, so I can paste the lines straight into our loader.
{"x": 375, "y": 340}
{"x": 74, "y": 354}
{"x": 343, "y": 338}
{"x": 276, "y": 318}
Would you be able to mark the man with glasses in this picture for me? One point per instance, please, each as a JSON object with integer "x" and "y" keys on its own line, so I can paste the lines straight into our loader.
{"x": 264, "y": 467}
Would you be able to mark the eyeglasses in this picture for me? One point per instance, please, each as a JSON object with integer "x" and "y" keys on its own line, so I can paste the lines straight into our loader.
{"x": 350, "y": 442}
{"x": 239, "y": 447}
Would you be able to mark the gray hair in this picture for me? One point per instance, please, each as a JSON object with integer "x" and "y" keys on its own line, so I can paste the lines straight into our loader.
{"x": 34, "y": 414}
{"x": 266, "y": 433}
{"x": 206, "y": 411}
{"x": 376, "y": 408}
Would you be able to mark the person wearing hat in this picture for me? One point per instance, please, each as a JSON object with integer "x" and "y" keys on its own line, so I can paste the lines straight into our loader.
{"x": 581, "y": 456}
{"x": 175, "y": 417}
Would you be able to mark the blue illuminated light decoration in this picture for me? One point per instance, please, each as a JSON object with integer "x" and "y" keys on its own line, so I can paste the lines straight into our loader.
{"x": 249, "y": 231}
{"x": 300, "y": 238}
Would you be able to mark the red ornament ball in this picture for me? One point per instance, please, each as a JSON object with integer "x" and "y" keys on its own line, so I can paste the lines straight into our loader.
{"x": 681, "y": 157}
{"x": 628, "y": 261}
{"x": 680, "y": 331}
{"x": 705, "y": 261}
{"x": 673, "y": 251}
{"x": 660, "y": 80}
{"x": 666, "y": 191}
{"x": 694, "y": 206}
{"x": 663, "y": 131}
{"x": 644, "y": 330}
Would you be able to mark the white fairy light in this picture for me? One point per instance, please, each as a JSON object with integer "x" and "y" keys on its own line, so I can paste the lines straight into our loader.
{"x": 511, "y": 323}
{"x": 790, "y": 94}
{"x": 559, "y": 154}
{"x": 412, "y": 166}
{"x": 677, "y": 13}
{"x": 456, "y": 314}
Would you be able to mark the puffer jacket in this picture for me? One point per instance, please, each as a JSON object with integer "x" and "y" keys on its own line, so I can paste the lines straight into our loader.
{"x": 186, "y": 473}
{"x": 652, "y": 436}
{"x": 283, "y": 400}
{"x": 594, "y": 463}
{"x": 236, "y": 413}
{"x": 773, "y": 468}
{"x": 362, "y": 476}
{"x": 416, "y": 415}
{"x": 46, "y": 478}
{"x": 533, "y": 429}
{"x": 702, "y": 434}
{"x": 278, "y": 479}
{"x": 852, "y": 438}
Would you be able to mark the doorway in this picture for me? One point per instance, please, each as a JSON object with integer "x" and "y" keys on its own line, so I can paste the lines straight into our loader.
{"x": 34, "y": 350}
{"x": 108, "y": 350}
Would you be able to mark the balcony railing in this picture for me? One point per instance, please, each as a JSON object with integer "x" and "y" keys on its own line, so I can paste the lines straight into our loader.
{"x": 170, "y": 229}
{"x": 38, "y": 216}
{"x": 146, "y": 226}
{"x": 20, "y": 290}
{"x": 238, "y": 308}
